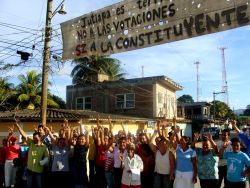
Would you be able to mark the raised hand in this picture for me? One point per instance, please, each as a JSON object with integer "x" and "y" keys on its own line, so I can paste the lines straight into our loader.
{"x": 209, "y": 136}
{"x": 196, "y": 136}
{"x": 11, "y": 130}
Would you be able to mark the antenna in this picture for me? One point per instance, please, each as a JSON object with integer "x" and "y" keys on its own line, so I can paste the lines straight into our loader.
{"x": 224, "y": 76}
{"x": 197, "y": 63}
{"x": 142, "y": 71}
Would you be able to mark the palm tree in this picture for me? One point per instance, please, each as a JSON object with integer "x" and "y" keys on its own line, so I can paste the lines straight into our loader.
{"x": 7, "y": 91}
{"x": 87, "y": 67}
{"x": 29, "y": 91}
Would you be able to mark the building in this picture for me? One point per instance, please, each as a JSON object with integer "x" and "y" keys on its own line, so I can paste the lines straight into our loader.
{"x": 148, "y": 97}
{"x": 195, "y": 111}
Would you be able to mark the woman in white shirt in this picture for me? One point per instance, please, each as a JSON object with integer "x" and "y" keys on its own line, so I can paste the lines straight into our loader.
{"x": 132, "y": 167}
{"x": 164, "y": 165}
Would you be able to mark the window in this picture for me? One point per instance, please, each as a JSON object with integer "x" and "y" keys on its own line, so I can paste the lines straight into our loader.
{"x": 160, "y": 98}
{"x": 84, "y": 103}
{"x": 125, "y": 101}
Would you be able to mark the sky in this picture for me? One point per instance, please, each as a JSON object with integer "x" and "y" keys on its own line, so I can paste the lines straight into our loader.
{"x": 22, "y": 23}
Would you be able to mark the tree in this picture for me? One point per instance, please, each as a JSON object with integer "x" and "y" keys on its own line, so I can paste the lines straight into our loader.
{"x": 59, "y": 101}
{"x": 87, "y": 67}
{"x": 29, "y": 91}
{"x": 7, "y": 91}
{"x": 222, "y": 111}
{"x": 185, "y": 99}
{"x": 247, "y": 111}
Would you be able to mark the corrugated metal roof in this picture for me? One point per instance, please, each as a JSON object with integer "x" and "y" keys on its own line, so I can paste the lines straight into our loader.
{"x": 61, "y": 114}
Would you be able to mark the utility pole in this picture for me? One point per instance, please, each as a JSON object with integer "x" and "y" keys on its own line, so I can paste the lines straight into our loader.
{"x": 198, "y": 81}
{"x": 214, "y": 94}
{"x": 46, "y": 59}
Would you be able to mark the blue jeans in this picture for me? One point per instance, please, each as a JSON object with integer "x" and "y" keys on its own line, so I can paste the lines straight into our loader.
{"x": 110, "y": 179}
{"x": 161, "y": 181}
{"x": 34, "y": 179}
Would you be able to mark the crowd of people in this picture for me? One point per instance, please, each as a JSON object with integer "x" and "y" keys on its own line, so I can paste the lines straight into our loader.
{"x": 97, "y": 158}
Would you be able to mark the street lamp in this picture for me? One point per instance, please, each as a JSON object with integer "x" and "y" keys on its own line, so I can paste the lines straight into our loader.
{"x": 46, "y": 56}
{"x": 214, "y": 94}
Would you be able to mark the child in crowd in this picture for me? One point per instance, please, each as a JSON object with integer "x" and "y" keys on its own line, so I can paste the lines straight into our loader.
{"x": 238, "y": 165}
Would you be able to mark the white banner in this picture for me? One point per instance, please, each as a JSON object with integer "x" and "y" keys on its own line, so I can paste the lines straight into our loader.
{"x": 135, "y": 24}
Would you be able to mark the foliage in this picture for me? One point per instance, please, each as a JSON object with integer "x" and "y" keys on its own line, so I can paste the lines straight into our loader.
{"x": 7, "y": 90}
{"x": 59, "y": 101}
{"x": 29, "y": 91}
{"x": 247, "y": 111}
{"x": 222, "y": 111}
{"x": 185, "y": 99}
{"x": 87, "y": 67}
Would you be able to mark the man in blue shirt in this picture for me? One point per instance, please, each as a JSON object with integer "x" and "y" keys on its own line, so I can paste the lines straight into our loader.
{"x": 238, "y": 164}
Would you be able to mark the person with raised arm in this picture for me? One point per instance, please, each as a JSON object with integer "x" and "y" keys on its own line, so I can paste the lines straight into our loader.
{"x": 80, "y": 161}
{"x": 244, "y": 138}
{"x": 164, "y": 163}
{"x": 207, "y": 161}
{"x": 60, "y": 164}
{"x": 223, "y": 145}
{"x": 186, "y": 165}
{"x": 12, "y": 153}
{"x": 147, "y": 156}
{"x": 2, "y": 161}
{"x": 238, "y": 165}
{"x": 37, "y": 157}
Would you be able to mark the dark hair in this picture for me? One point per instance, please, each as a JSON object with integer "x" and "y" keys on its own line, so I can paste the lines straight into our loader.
{"x": 226, "y": 131}
{"x": 59, "y": 139}
{"x": 122, "y": 138}
{"x": 36, "y": 133}
{"x": 234, "y": 140}
{"x": 187, "y": 139}
{"x": 40, "y": 126}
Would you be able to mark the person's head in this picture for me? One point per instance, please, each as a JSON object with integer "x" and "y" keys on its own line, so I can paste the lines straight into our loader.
{"x": 106, "y": 139}
{"x": 172, "y": 137}
{"x": 36, "y": 138}
{"x": 61, "y": 142}
{"x": 130, "y": 138}
{"x": 157, "y": 141}
{"x": 225, "y": 135}
{"x": 122, "y": 143}
{"x": 143, "y": 138}
{"x": 184, "y": 142}
{"x": 4, "y": 142}
{"x": 206, "y": 146}
{"x": 162, "y": 146}
{"x": 24, "y": 139}
{"x": 13, "y": 140}
{"x": 235, "y": 144}
{"x": 81, "y": 140}
{"x": 131, "y": 150}
{"x": 40, "y": 130}
{"x": 61, "y": 133}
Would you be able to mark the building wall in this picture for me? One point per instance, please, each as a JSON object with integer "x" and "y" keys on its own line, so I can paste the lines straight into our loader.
{"x": 164, "y": 102}
{"x": 103, "y": 99}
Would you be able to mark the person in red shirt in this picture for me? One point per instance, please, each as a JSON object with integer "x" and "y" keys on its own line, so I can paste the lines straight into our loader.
{"x": 12, "y": 152}
{"x": 2, "y": 161}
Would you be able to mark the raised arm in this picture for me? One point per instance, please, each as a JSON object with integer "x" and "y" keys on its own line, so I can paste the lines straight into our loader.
{"x": 20, "y": 130}
{"x": 235, "y": 126}
{"x": 212, "y": 142}
{"x": 48, "y": 131}
{"x": 195, "y": 140}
